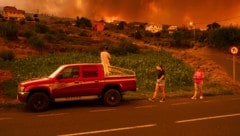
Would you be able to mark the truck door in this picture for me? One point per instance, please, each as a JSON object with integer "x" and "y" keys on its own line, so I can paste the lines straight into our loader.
{"x": 68, "y": 82}
{"x": 90, "y": 77}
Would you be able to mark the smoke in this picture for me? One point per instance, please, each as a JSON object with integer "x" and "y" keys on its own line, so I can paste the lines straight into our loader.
{"x": 175, "y": 12}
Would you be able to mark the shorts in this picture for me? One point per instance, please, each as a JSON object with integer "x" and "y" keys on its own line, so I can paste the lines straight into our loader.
{"x": 198, "y": 86}
{"x": 160, "y": 82}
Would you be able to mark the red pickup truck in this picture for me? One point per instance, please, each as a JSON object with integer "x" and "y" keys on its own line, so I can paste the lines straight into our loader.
{"x": 75, "y": 81}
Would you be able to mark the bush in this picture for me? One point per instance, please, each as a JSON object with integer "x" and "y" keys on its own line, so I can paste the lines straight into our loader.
{"x": 29, "y": 18}
{"x": 7, "y": 55}
{"x": 55, "y": 37}
{"x": 83, "y": 33}
{"x": 9, "y": 86}
{"x": 137, "y": 35}
{"x": 128, "y": 47}
{"x": 28, "y": 33}
{"x": 83, "y": 22}
{"x": 224, "y": 37}
{"x": 36, "y": 42}
{"x": 123, "y": 48}
{"x": 41, "y": 28}
{"x": 9, "y": 30}
{"x": 181, "y": 39}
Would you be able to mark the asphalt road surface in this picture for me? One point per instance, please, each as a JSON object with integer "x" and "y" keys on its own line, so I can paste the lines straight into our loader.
{"x": 212, "y": 116}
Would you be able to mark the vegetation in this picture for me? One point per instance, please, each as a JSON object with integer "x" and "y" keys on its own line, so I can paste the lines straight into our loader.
{"x": 224, "y": 37}
{"x": 181, "y": 38}
{"x": 7, "y": 55}
{"x": 9, "y": 30}
{"x": 143, "y": 64}
{"x": 41, "y": 28}
{"x": 83, "y": 22}
{"x": 60, "y": 34}
{"x": 178, "y": 74}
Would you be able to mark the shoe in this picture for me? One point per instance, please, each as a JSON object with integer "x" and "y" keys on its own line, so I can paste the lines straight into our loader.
{"x": 162, "y": 100}
{"x": 151, "y": 99}
{"x": 201, "y": 97}
{"x": 193, "y": 98}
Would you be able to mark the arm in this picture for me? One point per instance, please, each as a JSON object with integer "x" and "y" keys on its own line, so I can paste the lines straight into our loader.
{"x": 161, "y": 77}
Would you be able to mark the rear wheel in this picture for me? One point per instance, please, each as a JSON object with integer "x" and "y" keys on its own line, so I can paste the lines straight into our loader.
{"x": 112, "y": 97}
{"x": 38, "y": 101}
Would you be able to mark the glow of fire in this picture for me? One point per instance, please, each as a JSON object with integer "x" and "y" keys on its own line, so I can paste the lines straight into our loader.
{"x": 111, "y": 19}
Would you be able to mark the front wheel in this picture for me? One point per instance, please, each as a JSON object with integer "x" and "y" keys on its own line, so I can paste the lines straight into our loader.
{"x": 112, "y": 97}
{"x": 38, "y": 101}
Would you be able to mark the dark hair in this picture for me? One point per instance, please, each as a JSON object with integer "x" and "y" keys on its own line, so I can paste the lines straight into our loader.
{"x": 106, "y": 48}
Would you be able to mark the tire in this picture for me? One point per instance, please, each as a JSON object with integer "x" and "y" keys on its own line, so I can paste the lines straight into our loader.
{"x": 112, "y": 97}
{"x": 38, "y": 102}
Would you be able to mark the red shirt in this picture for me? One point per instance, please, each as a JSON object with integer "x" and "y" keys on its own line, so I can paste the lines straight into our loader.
{"x": 198, "y": 76}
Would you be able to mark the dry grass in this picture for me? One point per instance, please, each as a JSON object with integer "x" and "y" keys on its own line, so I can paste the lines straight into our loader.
{"x": 198, "y": 57}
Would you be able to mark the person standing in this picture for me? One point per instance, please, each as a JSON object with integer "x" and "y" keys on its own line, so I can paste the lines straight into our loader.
{"x": 160, "y": 84}
{"x": 105, "y": 60}
{"x": 198, "y": 83}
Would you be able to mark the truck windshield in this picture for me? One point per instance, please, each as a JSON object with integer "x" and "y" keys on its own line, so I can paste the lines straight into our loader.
{"x": 56, "y": 72}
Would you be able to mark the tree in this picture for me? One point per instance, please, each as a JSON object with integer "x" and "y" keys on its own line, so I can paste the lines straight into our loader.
{"x": 121, "y": 25}
{"x": 213, "y": 26}
{"x": 224, "y": 37}
{"x": 9, "y": 30}
{"x": 83, "y": 22}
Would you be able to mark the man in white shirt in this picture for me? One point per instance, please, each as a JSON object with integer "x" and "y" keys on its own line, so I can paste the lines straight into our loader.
{"x": 105, "y": 60}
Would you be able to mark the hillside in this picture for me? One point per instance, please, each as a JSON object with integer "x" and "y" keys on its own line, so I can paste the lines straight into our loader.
{"x": 62, "y": 38}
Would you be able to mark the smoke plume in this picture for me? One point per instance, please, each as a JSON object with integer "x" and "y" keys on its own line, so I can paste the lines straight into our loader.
{"x": 174, "y": 12}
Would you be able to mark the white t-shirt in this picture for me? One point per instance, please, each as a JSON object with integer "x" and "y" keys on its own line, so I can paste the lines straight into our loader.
{"x": 105, "y": 58}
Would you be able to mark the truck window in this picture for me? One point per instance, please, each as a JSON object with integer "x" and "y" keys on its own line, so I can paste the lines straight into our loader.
{"x": 89, "y": 71}
{"x": 70, "y": 72}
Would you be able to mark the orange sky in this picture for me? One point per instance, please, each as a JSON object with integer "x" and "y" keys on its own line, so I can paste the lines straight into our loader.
{"x": 174, "y": 12}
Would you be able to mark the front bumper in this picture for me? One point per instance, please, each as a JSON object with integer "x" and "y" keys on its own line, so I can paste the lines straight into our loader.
{"x": 22, "y": 96}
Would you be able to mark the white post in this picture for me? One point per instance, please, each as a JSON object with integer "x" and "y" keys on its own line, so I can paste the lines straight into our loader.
{"x": 234, "y": 69}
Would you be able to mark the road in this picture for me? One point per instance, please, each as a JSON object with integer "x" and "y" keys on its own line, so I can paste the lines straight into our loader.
{"x": 225, "y": 60}
{"x": 212, "y": 116}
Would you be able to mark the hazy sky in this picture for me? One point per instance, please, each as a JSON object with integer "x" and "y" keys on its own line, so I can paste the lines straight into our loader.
{"x": 174, "y": 12}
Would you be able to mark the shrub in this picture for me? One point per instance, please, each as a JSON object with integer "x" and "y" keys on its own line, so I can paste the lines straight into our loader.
{"x": 41, "y": 28}
{"x": 224, "y": 37}
{"x": 124, "y": 47}
{"x": 7, "y": 55}
{"x": 83, "y": 22}
{"x": 55, "y": 36}
{"x": 148, "y": 34}
{"x": 137, "y": 35}
{"x": 181, "y": 39}
{"x": 128, "y": 47}
{"x": 83, "y": 33}
{"x": 9, "y": 30}
{"x": 29, "y": 18}
{"x": 36, "y": 42}
{"x": 9, "y": 86}
{"x": 28, "y": 33}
